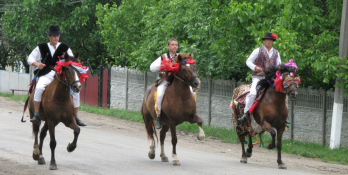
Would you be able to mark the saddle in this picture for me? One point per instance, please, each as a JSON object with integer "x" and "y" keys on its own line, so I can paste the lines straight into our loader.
{"x": 239, "y": 95}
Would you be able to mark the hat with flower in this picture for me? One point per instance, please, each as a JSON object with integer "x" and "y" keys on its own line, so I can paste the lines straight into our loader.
{"x": 270, "y": 35}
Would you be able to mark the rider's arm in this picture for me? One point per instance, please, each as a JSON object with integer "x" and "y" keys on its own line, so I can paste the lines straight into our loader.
{"x": 279, "y": 61}
{"x": 250, "y": 61}
{"x": 35, "y": 58}
{"x": 70, "y": 53}
{"x": 156, "y": 65}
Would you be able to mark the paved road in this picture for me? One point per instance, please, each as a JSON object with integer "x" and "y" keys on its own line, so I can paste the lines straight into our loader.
{"x": 104, "y": 148}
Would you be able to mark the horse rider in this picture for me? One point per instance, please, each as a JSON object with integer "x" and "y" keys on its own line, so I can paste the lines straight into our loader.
{"x": 258, "y": 61}
{"x": 155, "y": 66}
{"x": 44, "y": 57}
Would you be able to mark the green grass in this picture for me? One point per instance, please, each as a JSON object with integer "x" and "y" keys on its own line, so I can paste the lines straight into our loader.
{"x": 310, "y": 150}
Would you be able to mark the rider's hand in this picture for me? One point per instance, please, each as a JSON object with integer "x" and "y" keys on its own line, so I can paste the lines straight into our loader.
{"x": 41, "y": 65}
{"x": 258, "y": 69}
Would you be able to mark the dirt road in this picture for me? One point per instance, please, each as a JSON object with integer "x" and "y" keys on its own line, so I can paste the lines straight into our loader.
{"x": 114, "y": 146}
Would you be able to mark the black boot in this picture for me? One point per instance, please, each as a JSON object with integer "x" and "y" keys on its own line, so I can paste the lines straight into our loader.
{"x": 36, "y": 118}
{"x": 244, "y": 118}
{"x": 158, "y": 123}
{"x": 79, "y": 122}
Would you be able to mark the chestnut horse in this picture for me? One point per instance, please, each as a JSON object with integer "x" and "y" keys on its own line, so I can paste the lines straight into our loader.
{"x": 178, "y": 106}
{"x": 56, "y": 106}
{"x": 271, "y": 111}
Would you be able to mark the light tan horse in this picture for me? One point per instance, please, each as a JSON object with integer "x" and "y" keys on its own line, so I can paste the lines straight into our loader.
{"x": 178, "y": 106}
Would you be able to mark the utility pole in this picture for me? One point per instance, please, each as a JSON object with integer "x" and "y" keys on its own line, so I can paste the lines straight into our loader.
{"x": 338, "y": 99}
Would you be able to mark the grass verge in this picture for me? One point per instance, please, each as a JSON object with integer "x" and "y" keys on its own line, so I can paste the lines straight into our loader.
{"x": 309, "y": 150}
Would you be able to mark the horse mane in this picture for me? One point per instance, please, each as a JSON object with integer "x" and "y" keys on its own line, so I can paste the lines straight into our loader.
{"x": 270, "y": 75}
{"x": 74, "y": 58}
{"x": 178, "y": 59}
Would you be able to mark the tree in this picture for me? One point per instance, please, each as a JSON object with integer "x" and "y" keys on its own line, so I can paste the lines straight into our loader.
{"x": 222, "y": 34}
{"x": 27, "y": 24}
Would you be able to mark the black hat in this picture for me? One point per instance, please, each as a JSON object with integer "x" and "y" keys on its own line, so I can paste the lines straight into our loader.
{"x": 54, "y": 30}
{"x": 269, "y": 35}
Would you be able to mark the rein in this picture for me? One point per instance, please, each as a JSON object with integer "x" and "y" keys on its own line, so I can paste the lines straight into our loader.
{"x": 180, "y": 79}
{"x": 192, "y": 78}
{"x": 66, "y": 82}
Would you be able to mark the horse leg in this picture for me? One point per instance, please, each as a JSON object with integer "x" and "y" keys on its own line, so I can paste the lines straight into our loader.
{"x": 53, "y": 144}
{"x": 250, "y": 147}
{"x": 71, "y": 146}
{"x": 152, "y": 149}
{"x": 43, "y": 134}
{"x": 198, "y": 120}
{"x": 244, "y": 157}
{"x": 280, "y": 132}
{"x": 148, "y": 120}
{"x": 174, "y": 142}
{"x": 36, "y": 151}
{"x": 163, "y": 132}
{"x": 267, "y": 127}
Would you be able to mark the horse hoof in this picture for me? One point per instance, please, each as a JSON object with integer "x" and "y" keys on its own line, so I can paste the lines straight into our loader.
{"x": 248, "y": 154}
{"x": 282, "y": 166}
{"x": 41, "y": 161}
{"x": 200, "y": 137}
{"x": 164, "y": 159}
{"x": 176, "y": 163}
{"x": 36, "y": 156}
{"x": 151, "y": 156}
{"x": 70, "y": 148}
{"x": 244, "y": 160}
{"x": 53, "y": 167}
{"x": 270, "y": 146}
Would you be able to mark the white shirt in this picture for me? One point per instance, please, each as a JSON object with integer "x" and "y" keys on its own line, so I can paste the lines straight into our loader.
{"x": 250, "y": 61}
{"x": 35, "y": 55}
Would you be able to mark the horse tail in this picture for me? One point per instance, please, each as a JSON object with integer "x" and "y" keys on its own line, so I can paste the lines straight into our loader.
{"x": 146, "y": 123}
{"x": 32, "y": 86}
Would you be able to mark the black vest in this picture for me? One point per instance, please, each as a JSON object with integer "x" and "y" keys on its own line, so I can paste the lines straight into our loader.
{"x": 49, "y": 61}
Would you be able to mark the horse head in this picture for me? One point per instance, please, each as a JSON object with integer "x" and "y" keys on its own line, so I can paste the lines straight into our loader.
{"x": 72, "y": 71}
{"x": 187, "y": 70}
{"x": 290, "y": 84}
{"x": 287, "y": 81}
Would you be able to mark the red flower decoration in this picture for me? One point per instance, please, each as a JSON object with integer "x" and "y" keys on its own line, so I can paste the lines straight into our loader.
{"x": 61, "y": 64}
{"x": 274, "y": 36}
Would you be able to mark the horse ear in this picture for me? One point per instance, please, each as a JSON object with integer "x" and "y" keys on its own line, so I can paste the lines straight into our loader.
{"x": 190, "y": 55}
{"x": 179, "y": 58}
{"x": 77, "y": 56}
{"x": 65, "y": 56}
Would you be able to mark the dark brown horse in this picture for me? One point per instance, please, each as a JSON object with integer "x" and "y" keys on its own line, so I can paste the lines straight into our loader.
{"x": 56, "y": 106}
{"x": 178, "y": 106}
{"x": 271, "y": 112}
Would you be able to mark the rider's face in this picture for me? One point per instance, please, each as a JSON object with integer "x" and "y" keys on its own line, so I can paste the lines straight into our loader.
{"x": 54, "y": 39}
{"x": 173, "y": 46}
{"x": 268, "y": 43}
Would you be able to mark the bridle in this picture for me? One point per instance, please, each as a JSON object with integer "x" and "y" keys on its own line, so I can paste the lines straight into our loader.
{"x": 193, "y": 77}
{"x": 291, "y": 80}
{"x": 65, "y": 82}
